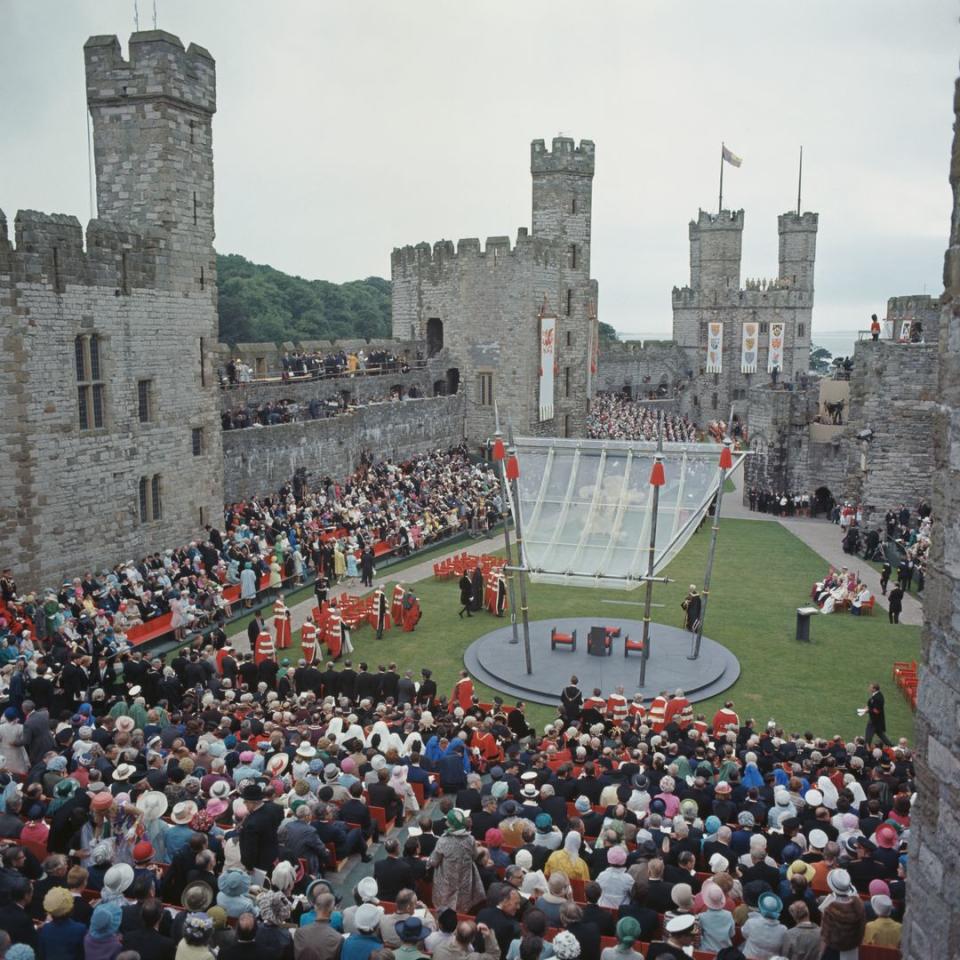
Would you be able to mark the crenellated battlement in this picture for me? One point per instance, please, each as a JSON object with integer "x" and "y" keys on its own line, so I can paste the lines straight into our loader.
{"x": 771, "y": 296}
{"x": 724, "y": 220}
{"x": 159, "y": 68}
{"x": 444, "y": 253}
{"x": 806, "y": 221}
{"x": 564, "y": 157}
{"x": 50, "y": 249}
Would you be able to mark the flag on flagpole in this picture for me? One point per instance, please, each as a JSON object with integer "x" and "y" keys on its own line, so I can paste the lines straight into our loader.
{"x": 731, "y": 157}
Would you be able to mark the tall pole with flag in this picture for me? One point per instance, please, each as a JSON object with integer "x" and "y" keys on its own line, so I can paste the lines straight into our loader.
{"x": 726, "y": 156}
{"x": 726, "y": 463}
{"x": 499, "y": 456}
{"x": 657, "y": 480}
{"x": 512, "y": 471}
{"x": 799, "y": 180}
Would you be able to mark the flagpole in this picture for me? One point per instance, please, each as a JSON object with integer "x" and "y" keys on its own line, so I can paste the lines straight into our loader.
{"x": 651, "y": 554}
{"x": 799, "y": 180}
{"x": 502, "y": 464}
{"x": 720, "y": 207}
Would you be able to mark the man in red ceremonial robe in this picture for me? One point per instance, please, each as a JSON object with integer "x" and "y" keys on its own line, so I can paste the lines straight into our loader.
{"x": 281, "y": 625}
{"x": 724, "y": 717}
{"x": 264, "y": 648}
{"x": 617, "y": 707}
{"x": 331, "y": 633}
{"x": 637, "y": 709}
{"x": 462, "y": 694}
{"x": 308, "y": 640}
{"x": 658, "y": 708}
{"x": 381, "y": 619}
{"x": 396, "y": 608}
{"x": 410, "y": 611}
{"x": 678, "y": 711}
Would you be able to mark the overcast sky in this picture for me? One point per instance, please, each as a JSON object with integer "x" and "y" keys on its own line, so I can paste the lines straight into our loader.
{"x": 345, "y": 129}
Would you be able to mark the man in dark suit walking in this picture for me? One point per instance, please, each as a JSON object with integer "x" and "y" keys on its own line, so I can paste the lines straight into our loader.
{"x": 876, "y": 717}
{"x": 37, "y": 738}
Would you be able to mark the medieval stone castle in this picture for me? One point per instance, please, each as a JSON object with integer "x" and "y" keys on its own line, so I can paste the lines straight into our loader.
{"x": 112, "y": 448}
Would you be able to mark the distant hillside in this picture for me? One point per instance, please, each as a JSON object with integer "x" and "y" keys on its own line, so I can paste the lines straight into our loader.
{"x": 258, "y": 303}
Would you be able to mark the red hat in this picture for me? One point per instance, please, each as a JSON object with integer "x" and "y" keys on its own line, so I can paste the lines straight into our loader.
{"x": 886, "y": 836}
{"x": 143, "y": 851}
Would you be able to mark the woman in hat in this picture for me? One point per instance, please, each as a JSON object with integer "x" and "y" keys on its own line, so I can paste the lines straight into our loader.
{"x": 716, "y": 922}
{"x": 233, "y": 887}
{"x": 274, "y": 938}
{"x": 197, "y": 934}
{"x": 568, "y": 860}
{"x": 456, "y": 880}
{"x": 628, "y": 933}
{"x": 843, "y": 922}
{"x": 11, "y": 742}
{"x": 102, "y": 941}
{"x": 763, "y": 932}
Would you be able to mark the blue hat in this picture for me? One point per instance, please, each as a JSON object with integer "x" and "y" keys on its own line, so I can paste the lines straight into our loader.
{"x": 105, "y": 921}
{"x": 543, "y": 822}
{"x": 316, "y": 765}
{"x": 769, "y": 905}
{"x": 410, "y": 930}
{"x": 10, "y": 713}
{"x": 21, "y": 951}
{"x": 711, "y": 825}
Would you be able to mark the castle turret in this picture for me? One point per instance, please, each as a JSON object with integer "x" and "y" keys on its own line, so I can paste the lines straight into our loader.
{"x": 715, "y": 243}
{"x": 562, "y": 197}
{"x": 152, "y": 128}
{"x": 798, "y": 248}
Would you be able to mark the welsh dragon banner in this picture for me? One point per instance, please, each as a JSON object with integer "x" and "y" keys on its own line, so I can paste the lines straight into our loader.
{"x": 714, "y": 348}
{"x": 748, "y": 349}
{"x": 775, "y": 356}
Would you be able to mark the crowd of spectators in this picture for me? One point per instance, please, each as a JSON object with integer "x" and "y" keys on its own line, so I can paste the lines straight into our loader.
{"x": 614, "y": 416}
{"x": 336, "y": 363}
{"x": 780, "y": 504}
{"x": 272, "y": 412}
{"x": 135, "y": 822}
{"x": 301, "y": 532}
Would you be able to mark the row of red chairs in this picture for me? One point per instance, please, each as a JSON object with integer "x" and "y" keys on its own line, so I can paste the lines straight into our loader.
{"x": 462, "y": 563}
{"x": 905, "y": 675}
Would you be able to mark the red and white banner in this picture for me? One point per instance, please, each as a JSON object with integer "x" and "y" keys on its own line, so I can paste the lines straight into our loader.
{"x": 714, "y": 348}
{"x": 748, "y": 348}
{"x": 775, "y": 356}
{"x": 548, "y": 358}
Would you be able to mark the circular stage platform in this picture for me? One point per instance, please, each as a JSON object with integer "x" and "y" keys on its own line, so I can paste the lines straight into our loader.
{"x": 497, "y": 662}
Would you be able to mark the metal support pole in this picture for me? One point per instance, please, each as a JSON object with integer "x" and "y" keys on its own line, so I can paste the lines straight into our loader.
{"x": 506, "y": 545}
{"x": 648, "y": 600}
{"x": 705, "y": 592}
{"x": 515, "y": 490}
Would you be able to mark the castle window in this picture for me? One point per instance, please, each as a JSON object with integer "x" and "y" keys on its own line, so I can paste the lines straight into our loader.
{"x": 566, "y": 382}
{"x": 91, "y": 399}
{"x": 203, "y": 363}
{"x": 196, "y": 438}
{"x": 801, "y": 329}
{"x": 716, "y": 379}
{"x": 569, "y": 338}
{"x": 155, "y": 497}
{"x": 713, "y": 401}
{"x": 194, "y": 207}
{"x": 569, "y": 301}
{"x": 573, "y": 256}
{"x": 573, "y": 204}
{"x": 434, "y": 336}
{"x": 566, "y": 424}
{"x": 145, "y": 400}
{"x": 485, "y": 398}
{"x": 148, "y": 497}
{"x": 763, "y": 328}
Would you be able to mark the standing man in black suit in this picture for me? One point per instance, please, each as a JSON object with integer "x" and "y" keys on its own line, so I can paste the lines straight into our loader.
{"x": 254, "y": 628}
{"x": 876, "y": 717}
{"x": 895, "y": 603}
{"x": 259, "y": 845}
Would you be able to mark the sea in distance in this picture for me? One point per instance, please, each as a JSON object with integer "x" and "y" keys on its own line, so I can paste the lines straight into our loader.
{"x": 840, "y": 343}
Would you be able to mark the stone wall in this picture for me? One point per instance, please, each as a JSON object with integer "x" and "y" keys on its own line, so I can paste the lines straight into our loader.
{"x": 893, "y": 393}
{"x": 261, "y": 459}
{"x": 139, "y": 297}
{"x": 918, "y": 307}
{"x": 933, "y": 918}
{"x": 488, "y": 301}
{"x": 651, "y": 368}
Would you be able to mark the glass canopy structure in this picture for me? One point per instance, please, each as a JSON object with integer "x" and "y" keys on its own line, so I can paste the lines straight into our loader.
{"x": 585, "y": 506}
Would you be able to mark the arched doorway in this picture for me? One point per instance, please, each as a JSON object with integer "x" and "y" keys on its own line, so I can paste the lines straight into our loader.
{"x": 439, "y": 388}
{"x": 823, "y": 501}
{"x": 434, "y": 336}
{"x": 453, "y": 381}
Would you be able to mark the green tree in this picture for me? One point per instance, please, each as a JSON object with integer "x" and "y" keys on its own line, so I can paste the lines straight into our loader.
{"x": 820, "y": 360}
{"x": 607, "y": 332}
{"x": 259, "y": 303}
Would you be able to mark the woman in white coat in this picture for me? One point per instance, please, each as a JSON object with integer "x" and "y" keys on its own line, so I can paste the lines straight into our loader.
{"x": 11, "y": 742}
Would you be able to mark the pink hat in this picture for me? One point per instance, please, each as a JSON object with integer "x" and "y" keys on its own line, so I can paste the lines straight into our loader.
{"x": 348, "y": 765}
{"x": 850, "y": 821}
{"x": 713, "y": 896}
{"x": 216, "y": 807}
{"x": 616, "y": 856}
{"x": 879, "y": 888}
{"x": 246, "y": 756}
{"x": 493, "y": 837}
{"x": 886, "y": 836}
{"x": 102, "y": 801}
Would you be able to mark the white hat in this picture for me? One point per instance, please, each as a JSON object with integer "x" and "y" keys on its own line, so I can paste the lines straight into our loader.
{"x": 813, "y": 797}
{"x": 184, "y": 812}
{"x": 680, "y": 924}
{"x": 124, "y": 771}
{"x": 220, "y": 790}
{"x": 818, "y": 839}
{"x": 153, "y": 804}
{"x": 125, "y": 724}
{"x": 135, "y": 690}
{"x": 118, "y": 878}
{"x": 307, "y": 751}
{"x": 368, "y": 890}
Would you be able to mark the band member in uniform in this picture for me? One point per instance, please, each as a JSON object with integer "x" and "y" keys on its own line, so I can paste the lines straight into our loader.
{"x": 396, "y": 608}
{"x": 320, "y": 589}
{"x": 308, "y": 640}
{"x": 381, "y": 619}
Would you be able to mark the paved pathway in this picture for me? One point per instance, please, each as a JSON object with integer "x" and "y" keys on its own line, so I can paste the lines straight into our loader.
{"x": 824, "y": 538}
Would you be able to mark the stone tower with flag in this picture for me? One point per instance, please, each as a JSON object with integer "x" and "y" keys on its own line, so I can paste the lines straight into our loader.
{"x": 736, "y": 333}
{"x": 513, "y": 325}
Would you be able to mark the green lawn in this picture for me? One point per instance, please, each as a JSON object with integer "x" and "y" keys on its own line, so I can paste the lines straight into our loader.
{"x": 761, "y": 575}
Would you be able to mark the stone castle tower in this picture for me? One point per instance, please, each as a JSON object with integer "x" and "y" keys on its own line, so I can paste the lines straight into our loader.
{"x": 717, "y": 294}
{"x": 106, "y": 374}
{"x": 480, "y": 310}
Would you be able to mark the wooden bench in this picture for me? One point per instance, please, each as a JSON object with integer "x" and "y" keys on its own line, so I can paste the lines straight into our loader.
{"x": 152, "y": 629}
{"x": 563, "y": 639}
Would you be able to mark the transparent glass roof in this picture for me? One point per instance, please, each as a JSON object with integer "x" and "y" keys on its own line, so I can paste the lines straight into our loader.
{"x": 585, "y": 506}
